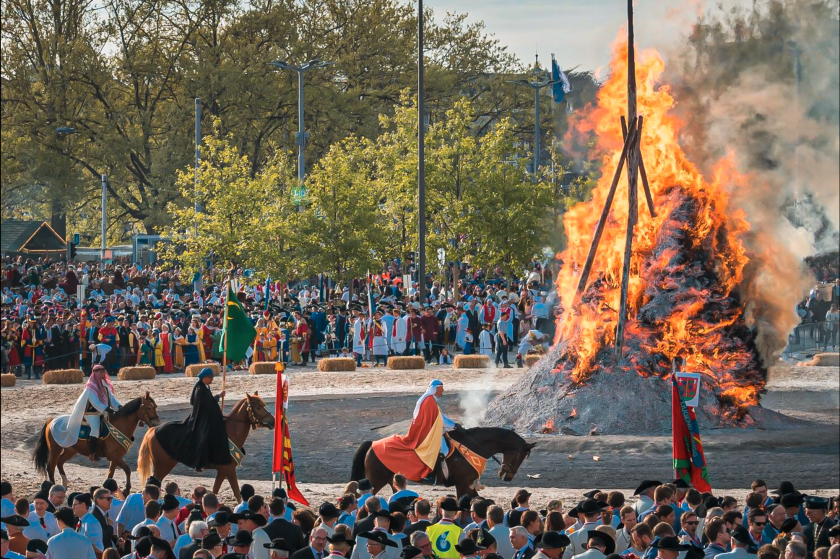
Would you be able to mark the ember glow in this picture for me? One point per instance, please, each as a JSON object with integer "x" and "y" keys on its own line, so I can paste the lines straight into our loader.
{"x": 688, "y": 263}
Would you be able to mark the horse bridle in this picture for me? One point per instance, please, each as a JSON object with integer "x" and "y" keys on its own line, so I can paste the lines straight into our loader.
{"x": 253, "y": 420}
{"x": 147, "y": 419}
{"x": 477, "y": 446}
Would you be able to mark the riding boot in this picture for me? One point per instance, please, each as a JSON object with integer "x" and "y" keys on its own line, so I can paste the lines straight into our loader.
{"x": 92, "y": 444}
{"x": 444, "y": 469}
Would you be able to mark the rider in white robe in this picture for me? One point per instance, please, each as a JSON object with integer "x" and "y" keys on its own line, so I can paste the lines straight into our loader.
{"x": 89, "y": 408}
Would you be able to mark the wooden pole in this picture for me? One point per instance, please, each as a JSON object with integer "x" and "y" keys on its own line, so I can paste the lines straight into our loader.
{"x": 632, "y": 182}
{"x": 642, "y": 170}
{"x": 593, "y": 249}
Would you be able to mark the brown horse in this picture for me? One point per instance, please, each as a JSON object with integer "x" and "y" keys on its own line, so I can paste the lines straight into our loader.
{"x": 249, "y": 413}
{"x": 485, "y": 441}
{"x": 139, "y": 281}
{"x": 48, "y": 455}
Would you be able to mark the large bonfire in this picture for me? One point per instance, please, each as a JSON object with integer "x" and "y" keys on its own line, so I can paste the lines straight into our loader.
{"x": 686, "y": 297}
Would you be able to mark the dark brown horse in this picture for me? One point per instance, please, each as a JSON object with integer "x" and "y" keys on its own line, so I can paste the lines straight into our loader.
{"x": 249, "y": 413}
{"x": 48, "y": 455}
{"x": 485, "y": 441}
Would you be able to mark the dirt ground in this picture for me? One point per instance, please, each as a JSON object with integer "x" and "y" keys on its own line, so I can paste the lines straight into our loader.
{"x": 332, "y": 413}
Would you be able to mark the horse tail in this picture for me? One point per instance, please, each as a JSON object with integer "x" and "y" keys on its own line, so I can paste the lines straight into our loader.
{"x": 358, "y": 470}
{"x": 144, "y": 457}
{"x": 41, "y": 452}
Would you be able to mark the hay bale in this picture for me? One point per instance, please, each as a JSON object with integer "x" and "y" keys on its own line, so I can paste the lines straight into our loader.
{"x": 8, "y": 379}
{"x": 63, "y": 376}
{"x": 476, "y": 361}
{"x": 193, "y": 370}
{"x": 262, "y": 368}
{"x": 826, "y": 360}
{"x": 144, "y": 372}
{"x": 336, "y": 364}
{"x": 400, "y": 362}
{"x": 532, "y": 359}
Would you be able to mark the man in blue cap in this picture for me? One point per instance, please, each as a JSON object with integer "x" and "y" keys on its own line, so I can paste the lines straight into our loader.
{"x": 198, "y": 441}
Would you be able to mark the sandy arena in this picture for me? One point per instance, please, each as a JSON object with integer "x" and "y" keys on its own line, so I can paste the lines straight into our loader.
{"x": 332, "y": 413}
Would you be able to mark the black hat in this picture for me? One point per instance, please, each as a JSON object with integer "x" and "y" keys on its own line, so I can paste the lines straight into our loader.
{"x": 554, "y": 540}
{"x": 741, "y": 535}
{"x": 785, "y": 488}
{"x": 464, "y": 502}
{"x": 36, "y": 545}
{"x": 410, "y": 552}
{"x": 279, "y": 493}
{"x": 365, "y": 485}
{"x": 483, "y": 538}
{"x": 160, "y": 542}
{"x": 340, "y": 537}
{"x": 591, "y": 506}
{"x": 246, "y": 514}
{"x": 211, "y": 540}
{"x": 5, "y": 488}
{"x": 143, "y": 546}
{"x": 378, "y": 536}
{"x": 46, "y": 485}
{"x": 792, "y": 499}
{"x": 110, "y": 484}
{"x": 170, "y": 502}
{"x": 142, "y": 532}
{"x": 219, "y": 519}
{"x": 645, "y": 485}
{"x": 278, "y": 544}
{"x": 680, "y": 483}
{"x": 152, "y": 480}
{"x": 449, "y": 504}
{"x": 195, "y": 514}
{"x": 788, "y": 525}
{"x": 83, "y": 498}
{"x": 603, "y": 538}
{"x": 833, "y": 532}
{"x": 241, "y": 538}
{"x": 468, "y": 547}
{"x": 816, "y": 503}
{"x": 43, "y": 494}
{"x": 15, "y": 520}
{"x": 671, "y": 543}
{"x": 694, "y": 552}
{"x": 328, "y": 510}
{"x": 232, "y": 555}
{"x": 382, "y": 514}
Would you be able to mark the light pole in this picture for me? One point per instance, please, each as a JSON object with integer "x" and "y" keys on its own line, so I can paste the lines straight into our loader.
{"x": 104, "y": 243}
{"x": 302, "y": 136}
{"x": 536, "y": 84}
{"x": 421, "y": 163}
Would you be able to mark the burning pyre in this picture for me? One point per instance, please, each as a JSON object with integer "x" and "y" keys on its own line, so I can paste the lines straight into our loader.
{"x": 686, "y": 297}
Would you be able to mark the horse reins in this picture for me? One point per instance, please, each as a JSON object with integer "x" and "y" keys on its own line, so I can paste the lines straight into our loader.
{"x": 493, "y": 456}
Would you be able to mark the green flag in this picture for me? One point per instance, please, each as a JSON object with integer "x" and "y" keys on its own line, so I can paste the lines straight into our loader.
{"x": 238, "y": 333}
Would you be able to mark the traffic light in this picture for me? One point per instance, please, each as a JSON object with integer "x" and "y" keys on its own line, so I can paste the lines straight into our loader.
{"x": 71, "y": 250}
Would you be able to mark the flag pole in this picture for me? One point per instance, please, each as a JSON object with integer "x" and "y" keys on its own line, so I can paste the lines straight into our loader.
{"x": 224, "y": 343}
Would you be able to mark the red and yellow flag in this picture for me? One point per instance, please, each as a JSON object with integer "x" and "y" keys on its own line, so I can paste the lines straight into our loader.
{"x": 283, "y": 461}
{"x": 689, "y": 459}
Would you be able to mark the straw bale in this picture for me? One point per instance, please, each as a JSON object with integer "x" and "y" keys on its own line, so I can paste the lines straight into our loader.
{"x": 8, "y": 379}
{"x": 826, "y": 360}
{"x": 262, "y": 368}
{"x": 193, "y": 370}
{"x": 399, "y": 362}
{"x": 335, "y": 364}
{"x": 477, "y": 361}
{"x": 63, "y": 376}
{"x": 531, "y": 359}
{"x": 144, "y": 372}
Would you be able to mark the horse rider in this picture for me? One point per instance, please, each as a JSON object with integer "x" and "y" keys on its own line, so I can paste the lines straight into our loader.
{"x": 97, "y": 400}
{"x": 430, "y": 421}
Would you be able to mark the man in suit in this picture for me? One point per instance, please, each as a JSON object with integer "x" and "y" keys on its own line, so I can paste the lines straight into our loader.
{"x": 316, "y": 547}
{"x": 198, "y": 529}
{"x": 816, "y": 533}
{"x": 366, "y": 524}
{"x": 419, "y": 514}
{"x": 282, "y": 528}
{"x": 521, "y": 543}
{"x": 341, "y": 327}
{"x": 101, "y": 505}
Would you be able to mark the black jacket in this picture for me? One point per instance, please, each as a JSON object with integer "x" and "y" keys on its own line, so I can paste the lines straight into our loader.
{"x": 419, "y": 526}
{"x": 107, "y": 529}
{"x": 188, "y": 551}
{"x": 306, "y": 553}
{"x": 282, "y": 528}
{"x": 363, "y": 525}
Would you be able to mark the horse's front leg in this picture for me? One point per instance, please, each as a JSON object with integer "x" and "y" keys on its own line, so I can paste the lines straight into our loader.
{"x": 120, "y": 461}
{"x": 234, "y": 484}
{"x": 217, "y": 484}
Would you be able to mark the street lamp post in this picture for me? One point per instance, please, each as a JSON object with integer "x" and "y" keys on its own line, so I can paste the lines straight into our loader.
{"x": 536, "y": 84}
{"x": 302, "y": 136}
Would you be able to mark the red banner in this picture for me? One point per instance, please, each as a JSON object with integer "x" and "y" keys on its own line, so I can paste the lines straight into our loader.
{"x": 689, "y": 458}
{"x": 283, "y": 462}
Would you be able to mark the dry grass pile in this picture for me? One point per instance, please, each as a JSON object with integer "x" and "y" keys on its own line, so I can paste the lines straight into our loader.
{"x": 144, "y": 372}
{"x": 63, "y": 376}
{"x": 400, "y": 362}
{"x": 193, "y": 370}
{"x": 8, "y": 379}
{"x": 532, "y": 359}
{"x": 826, "y": 360}
{"x": 477, "y": 361}
{"x": 262, "y": 368}
{"x": 337, "y": 364}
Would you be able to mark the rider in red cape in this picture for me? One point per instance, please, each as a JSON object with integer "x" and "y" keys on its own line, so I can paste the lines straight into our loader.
{"x": 199, "y": 441}
{"x": 416, "y": 454}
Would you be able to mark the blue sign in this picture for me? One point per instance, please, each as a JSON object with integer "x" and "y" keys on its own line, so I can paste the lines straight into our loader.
{"x": 75, "y": 238}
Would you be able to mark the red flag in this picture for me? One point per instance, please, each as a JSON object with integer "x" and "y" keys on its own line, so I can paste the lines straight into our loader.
{"x": 689, "y": 459}
{"x": 283, "y": 461}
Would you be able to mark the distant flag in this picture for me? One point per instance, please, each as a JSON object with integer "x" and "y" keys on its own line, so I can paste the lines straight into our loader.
{"x": 267, "y": 291}
{"x": 562, "y": 85}
{"x": 689, "y": 459}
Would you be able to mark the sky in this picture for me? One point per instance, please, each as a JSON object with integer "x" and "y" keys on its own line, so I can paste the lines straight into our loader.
{"x": 579, "y": 32}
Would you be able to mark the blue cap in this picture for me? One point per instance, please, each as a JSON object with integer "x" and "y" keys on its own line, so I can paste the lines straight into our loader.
{"x": 435, "y": 382}
{"x": 205, "y": 372}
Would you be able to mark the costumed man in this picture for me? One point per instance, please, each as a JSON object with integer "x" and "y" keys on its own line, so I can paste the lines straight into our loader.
{"x": 108, "y": 335}
{"x": 359, "y": 335}
{"x": 96, "y": 400}
{"x": 533, "y": 339}
{"x": 198, "y": 441}
{"x": 32, "y": 341}
{"x": 380, "y": 344}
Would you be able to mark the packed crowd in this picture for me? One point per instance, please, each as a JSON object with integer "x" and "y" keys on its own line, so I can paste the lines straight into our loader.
{"x": 146, "y": 316}
{"x": 667, "y": 521}
{"x": 819, "y": 316}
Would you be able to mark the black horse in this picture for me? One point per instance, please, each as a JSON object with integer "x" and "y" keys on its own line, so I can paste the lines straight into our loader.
{"x": 485, "y": 441}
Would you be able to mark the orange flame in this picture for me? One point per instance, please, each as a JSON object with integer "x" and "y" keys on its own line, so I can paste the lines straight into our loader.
{"x": 693, "y": 217}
